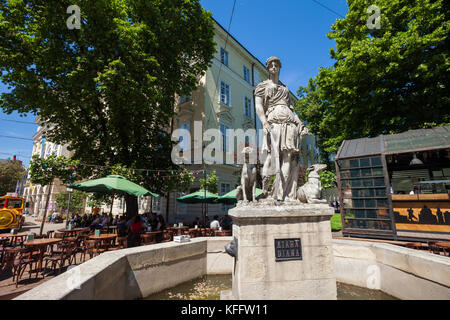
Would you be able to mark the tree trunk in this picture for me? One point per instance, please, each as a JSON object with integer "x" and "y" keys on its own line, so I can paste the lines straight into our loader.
{"x": 132, "y": 206}
{"x": 45, "y": 209}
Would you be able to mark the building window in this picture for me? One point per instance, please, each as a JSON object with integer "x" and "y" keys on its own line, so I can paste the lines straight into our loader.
{"x": 246, "y": 74}
{"x": 248, "y": 107}
{"x": 156, "y": 204}
{"x": 185, "y": 98}
{"x": 224, "y": 188}
{"x": 225, "y": 138}
{"x": 181, "y": 207}
{"x": 225, "y": 93}
{"x": 256, "y": 77}
{"x": 185, "y": 144}
{"x": 224, "y": 56}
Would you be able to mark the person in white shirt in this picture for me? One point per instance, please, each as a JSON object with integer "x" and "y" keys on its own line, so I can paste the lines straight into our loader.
{"x": 215, "y": 223}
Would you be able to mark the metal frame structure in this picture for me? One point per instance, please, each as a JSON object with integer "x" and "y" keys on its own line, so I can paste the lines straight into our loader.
{"x": 354, "y": 162}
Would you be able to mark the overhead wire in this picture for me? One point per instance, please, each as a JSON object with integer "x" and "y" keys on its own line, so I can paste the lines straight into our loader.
{"x": 329, "y": 9}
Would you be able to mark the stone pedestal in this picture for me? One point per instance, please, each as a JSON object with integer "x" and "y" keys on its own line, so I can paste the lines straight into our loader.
{"x": 258, "y": 275}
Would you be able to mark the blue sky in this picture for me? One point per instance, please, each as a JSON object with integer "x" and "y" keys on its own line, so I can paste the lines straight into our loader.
{"x": 293, "y": 30}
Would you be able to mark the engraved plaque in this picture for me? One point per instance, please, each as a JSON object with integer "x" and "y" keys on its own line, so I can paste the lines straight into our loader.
{"x": 288, "y": 249}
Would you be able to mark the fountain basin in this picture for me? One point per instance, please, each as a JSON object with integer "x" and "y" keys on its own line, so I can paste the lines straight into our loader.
{"x": 136, "y": 273}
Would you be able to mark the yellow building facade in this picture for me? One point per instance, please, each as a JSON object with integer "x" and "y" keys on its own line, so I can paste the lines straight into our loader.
{"x": 223, "y": 100}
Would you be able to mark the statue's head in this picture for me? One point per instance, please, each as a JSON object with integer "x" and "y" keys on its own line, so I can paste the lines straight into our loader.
{"x": 269, "y": 63}
{"x": 315, "y": 169}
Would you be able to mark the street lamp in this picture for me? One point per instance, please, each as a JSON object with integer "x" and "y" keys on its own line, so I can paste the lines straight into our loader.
{"x": 69, "y": 190}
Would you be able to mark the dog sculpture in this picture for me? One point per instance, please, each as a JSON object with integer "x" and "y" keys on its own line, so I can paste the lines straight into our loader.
{"x": 310, "y": 192}
{"x": 247, "y": 190}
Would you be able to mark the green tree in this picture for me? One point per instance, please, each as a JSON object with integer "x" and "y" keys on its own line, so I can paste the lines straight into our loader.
{"x": 108, "y": 88}
{"x": 44, "y": 171}
{"x": 98, "y": 199}
{"x": 10, "y": 172}
{"x": 384, "y": 80}
{"x": 314, "y": 108}
{"x": 212, "y": 182}
{"x": 76, "y": 201}
{"x": 327, "y": 179}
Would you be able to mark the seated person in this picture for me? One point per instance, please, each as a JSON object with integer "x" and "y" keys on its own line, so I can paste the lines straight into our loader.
{"x": 134, "y": 231}
{"x": 215, "y": 223}
{"x": 161, "y": 225}
{"x": 226, "y": 222}
{"x": 197, "y": 223}
{"x": 96, "y": 223}
{"x": 122, "y": 228}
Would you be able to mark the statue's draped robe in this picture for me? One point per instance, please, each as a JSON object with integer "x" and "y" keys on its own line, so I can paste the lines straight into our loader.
{"x": 285, "y": 127}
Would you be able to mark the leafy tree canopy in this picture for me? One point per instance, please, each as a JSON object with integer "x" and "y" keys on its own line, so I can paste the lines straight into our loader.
{"x": 211, "y": 183}
{"x": 10, "y": 173}
{"x": 328, "y": 179}
{"x": 384, "y": 80}
{"x": 106, "y": 89}
{"x": 44, "y": 170}
{"x": 76, "y": 201}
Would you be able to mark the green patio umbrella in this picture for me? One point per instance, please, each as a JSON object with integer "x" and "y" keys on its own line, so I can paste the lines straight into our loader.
{"x": 199, "y": 197}
{"x": 113, "y": 184}
{"x": 230, "y": 197}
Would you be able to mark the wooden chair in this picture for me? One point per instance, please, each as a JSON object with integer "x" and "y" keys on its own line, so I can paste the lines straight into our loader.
{"x": 193, "y": 232}
{"x": 92, "y": 248}
{"x": 24, "y": 259}
{"x": 148, "y": 239}
{"x": 413, "y": 245}
{"x": 134, "y": 239}
{"x": 224, "y": 233}
{"x": 202, "y": 232}
{"x": 167, "y": 235}
{"x": 59, "y": 235}
{"x": 50, "y": 234}
{"x": 8, "y": 256}
{"x": 432, "y": 248}
{"x": 210, "y": 232}
{"x": 59, "y": 259}
{"x": 108, "y": 243}
{"x": 122, "y": 243}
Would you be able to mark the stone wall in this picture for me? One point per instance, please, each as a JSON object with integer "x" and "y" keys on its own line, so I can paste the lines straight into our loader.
{"x": 138, "y": 272}
{"x": 401, "y": 272}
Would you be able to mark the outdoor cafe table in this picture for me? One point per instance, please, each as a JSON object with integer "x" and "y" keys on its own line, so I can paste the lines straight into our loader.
{"x": 74, "y": 230}
{"x": 222, "y": 233}
{"x": 104, "y": 237}
{"x": 154, "y": 236}
{"x": 444, "y": 245}
{"x": 41, "y": 244}
{"x": 14, "y": 236}
{"x": 178, "y": 230}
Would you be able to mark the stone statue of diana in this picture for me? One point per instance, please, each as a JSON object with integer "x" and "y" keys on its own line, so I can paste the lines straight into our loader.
{"x": 283, "y": 132}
